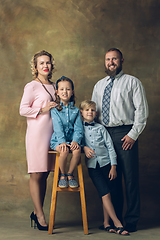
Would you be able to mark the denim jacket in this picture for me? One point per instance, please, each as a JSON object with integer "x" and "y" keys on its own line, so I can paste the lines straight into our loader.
{"x": 67, "y": 125}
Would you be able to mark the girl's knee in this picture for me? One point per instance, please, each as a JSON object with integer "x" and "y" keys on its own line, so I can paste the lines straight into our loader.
{"x": 77, "y": 151}
{"x": 64, "y": 153}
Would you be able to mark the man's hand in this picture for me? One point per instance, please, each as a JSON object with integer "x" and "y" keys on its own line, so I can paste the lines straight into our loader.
{"x": 127, "y": 142}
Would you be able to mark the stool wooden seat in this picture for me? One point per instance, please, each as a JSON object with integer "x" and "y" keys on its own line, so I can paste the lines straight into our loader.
{"x": 56, "y": 189}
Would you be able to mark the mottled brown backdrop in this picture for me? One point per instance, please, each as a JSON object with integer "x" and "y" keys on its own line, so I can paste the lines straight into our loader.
{"x": 77, "y": 33}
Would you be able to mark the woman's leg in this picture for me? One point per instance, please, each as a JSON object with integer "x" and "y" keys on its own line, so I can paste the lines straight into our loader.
{"x": 37, "y": 185}
{"x": 43, "y": 186}
{"x": 76, "y": 155}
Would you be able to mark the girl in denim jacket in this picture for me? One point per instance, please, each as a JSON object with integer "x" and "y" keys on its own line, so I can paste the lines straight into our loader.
{"x": 68, "y": 130}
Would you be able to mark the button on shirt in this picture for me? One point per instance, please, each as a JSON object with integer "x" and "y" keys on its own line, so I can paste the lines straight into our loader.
{"x": 67, "y": 125}
{"x": 97, "y": 138}
{"x": 128, "y": 104}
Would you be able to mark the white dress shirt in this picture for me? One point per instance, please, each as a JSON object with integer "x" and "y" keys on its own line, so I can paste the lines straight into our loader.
{"x": 128, "y": 104}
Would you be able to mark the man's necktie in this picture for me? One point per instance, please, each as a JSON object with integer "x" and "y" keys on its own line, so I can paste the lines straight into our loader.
{"x": 106, "y": 101}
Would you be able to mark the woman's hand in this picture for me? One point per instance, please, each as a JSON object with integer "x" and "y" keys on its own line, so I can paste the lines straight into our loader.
{"x": 89, "y": 152}
{"x": 74, "y": 145}
{"x": 48, "y": 107}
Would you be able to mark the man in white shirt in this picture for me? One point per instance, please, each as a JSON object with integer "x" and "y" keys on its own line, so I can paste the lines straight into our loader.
{"x": 124, "y": 116}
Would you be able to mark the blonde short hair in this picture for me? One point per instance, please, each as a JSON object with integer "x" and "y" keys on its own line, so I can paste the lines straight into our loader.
{"x": 34, "y": 63}
{"x": 86, "y": 104}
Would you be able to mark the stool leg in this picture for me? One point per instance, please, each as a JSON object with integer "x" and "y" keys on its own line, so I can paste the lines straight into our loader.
{"x": 54, "y": 195}
{"x": 83, "y": 201}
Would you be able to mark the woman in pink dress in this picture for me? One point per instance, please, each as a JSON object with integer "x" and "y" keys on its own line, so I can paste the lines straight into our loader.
{"x": 37, "y": 100}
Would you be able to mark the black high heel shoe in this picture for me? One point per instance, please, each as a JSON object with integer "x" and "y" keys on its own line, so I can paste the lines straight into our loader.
{"x": 39, "y": 226}
{"x": 33, "y": 217}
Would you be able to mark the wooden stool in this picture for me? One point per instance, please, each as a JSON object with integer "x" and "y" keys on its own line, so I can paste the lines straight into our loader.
{"x": 57, "y": 189}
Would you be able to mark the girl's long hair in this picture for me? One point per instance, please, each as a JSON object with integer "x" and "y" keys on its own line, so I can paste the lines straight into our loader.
{"x": 72, "y": 99}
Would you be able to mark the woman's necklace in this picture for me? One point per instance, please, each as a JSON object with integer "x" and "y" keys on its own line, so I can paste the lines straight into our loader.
{"x": 41, "y": 81}
{"x": 46, "y": 89}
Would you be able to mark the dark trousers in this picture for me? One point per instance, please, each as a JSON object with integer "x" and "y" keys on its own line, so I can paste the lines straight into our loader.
{"x": 100, "y": 179}
{"x": 128, "y": 165}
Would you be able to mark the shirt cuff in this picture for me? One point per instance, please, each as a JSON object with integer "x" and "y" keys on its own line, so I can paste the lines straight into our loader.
{"x": 133, "y": 135}
{"x": 113, "y": 162}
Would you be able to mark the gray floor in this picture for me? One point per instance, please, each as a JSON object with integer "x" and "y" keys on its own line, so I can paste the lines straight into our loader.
{"x": 19, "y": 229}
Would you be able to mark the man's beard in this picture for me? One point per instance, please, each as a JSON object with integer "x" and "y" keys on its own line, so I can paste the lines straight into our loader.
{"x": 114, "y": 72}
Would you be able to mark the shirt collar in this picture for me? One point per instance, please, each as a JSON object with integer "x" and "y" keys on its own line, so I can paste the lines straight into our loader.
{"x": 117, "y": 76}
{"x": 70, "y": 104}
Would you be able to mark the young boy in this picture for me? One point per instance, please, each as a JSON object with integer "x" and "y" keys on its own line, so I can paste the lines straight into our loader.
{"x": 101, "y": 163}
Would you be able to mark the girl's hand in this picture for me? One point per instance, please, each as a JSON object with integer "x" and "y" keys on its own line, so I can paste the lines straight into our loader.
{"x": 89, "y": 152}
{"x": 62, "y": 147}
{"x": 112, "y": 173}
{"x": 74, "y": 145}
{"x": 48, "y": 107}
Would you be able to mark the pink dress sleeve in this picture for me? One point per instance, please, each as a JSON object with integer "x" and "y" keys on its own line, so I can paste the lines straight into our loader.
{"x": 26, "y": 108}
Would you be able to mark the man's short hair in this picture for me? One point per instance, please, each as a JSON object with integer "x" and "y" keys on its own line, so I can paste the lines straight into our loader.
{"x": 117, "y": 50}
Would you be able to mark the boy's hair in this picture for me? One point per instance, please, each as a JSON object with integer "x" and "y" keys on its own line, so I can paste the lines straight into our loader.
{"x": 72, "y": 99}
{"x": 86, "y": 104}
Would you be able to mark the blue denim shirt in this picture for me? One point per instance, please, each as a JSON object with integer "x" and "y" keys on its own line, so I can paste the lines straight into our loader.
{"x": 67, "y": 125}
{"x": 97, "y": 138}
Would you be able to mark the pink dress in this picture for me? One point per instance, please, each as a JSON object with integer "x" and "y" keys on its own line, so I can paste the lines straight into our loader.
{"x": 39, "y": 127}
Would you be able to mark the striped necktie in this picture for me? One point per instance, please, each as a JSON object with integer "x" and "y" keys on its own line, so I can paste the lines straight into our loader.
{"x": 106, "y": 101}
